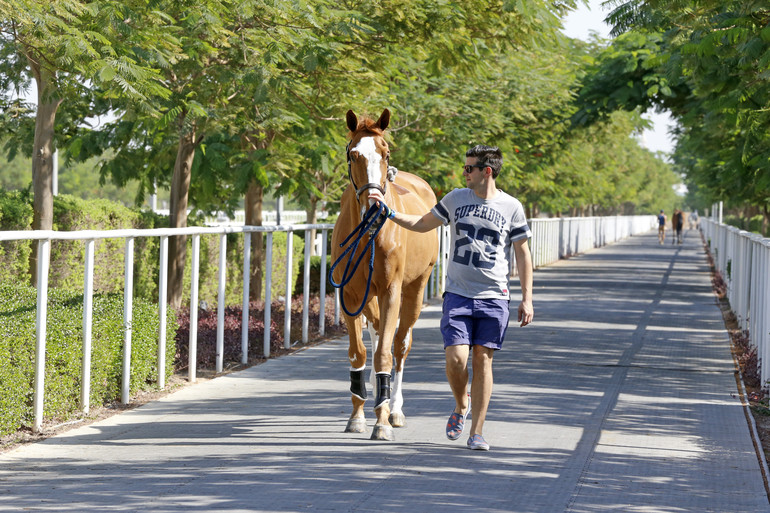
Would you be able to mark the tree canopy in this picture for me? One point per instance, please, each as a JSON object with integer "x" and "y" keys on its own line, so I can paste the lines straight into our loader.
{"x": 707, "y": 63}
{"x": 216, "y": 100}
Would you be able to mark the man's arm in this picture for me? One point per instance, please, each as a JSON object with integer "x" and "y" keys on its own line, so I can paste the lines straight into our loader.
{"x": 415, "y": 223}
{"x": 424, "y": 223}
{"x": 524, "y": 266}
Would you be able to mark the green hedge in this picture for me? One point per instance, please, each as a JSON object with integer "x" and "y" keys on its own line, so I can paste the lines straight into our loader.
{"x": 68, "y": 256}
{"x": 15, "y": 214}
{"x": 752, "y": 224}
{"x": 209, "y": 267}
{"x": 64, "y": 352}
{"x": 315, "y": 277}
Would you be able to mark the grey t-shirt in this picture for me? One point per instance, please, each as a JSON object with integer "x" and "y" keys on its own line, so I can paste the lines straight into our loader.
{"x": 481, "y": 231}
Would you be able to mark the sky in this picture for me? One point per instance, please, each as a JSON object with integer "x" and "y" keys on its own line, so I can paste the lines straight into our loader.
{"x": 579, "y": 24}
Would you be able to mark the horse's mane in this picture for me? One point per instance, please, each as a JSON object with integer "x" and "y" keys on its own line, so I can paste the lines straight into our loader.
{"x": 368, "y": 125}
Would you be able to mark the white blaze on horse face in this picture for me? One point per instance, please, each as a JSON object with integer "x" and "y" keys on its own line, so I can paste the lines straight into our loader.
{"x": 367, "y": 148}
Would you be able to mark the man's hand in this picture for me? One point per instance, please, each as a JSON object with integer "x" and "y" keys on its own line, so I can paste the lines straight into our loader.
{"x": 416, "y": 223}
{"x": 526, "y": 313}
{"x": 376, "y": 197}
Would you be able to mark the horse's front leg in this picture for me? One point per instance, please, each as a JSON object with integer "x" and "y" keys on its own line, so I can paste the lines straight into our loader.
{"x": 357, "y": 356}
{"x": 372, "y": 315}
{"x": 411, "y": 306}
{"x": 390, "y": 303}
{"x": 400, "y": 352}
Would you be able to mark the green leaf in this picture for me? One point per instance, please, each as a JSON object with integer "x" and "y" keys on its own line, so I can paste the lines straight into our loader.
{"x": 106, "y": 74}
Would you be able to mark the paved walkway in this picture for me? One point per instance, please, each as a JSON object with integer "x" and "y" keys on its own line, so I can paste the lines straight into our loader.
{"x": 620, "y": 397}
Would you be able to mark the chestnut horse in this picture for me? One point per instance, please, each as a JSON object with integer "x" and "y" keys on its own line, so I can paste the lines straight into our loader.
{"x": 402, "y": 265}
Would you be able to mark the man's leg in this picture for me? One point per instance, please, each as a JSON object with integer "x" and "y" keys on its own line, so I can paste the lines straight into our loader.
{"x": 457, "y": 375}
{"x": 481, "y": 387}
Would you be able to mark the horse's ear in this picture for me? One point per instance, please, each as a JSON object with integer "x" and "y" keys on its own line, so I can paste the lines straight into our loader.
{"x": 384, "y": 120}
{"x": 352, "y": 121}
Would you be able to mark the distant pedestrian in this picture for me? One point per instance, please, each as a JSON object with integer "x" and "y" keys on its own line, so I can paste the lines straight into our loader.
{"x": 661, "y": 227}
{"x": 693, "y": 219}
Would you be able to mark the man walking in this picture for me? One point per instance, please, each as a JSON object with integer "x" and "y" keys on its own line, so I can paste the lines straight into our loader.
{"x": 484, "y": 222}
{"x": 661, "y": 227}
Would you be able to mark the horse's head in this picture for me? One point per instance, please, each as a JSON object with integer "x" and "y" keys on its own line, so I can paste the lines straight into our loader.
{"x": 368, "y": 155}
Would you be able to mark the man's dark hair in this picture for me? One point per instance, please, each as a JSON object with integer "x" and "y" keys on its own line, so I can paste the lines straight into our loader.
{"x": 487, "y": 156}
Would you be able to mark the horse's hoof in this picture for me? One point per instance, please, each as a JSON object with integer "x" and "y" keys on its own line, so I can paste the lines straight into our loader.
{"x": 383, "y": 433}
{"x": 397, "y": 419}
{"x": 356, "y": 425}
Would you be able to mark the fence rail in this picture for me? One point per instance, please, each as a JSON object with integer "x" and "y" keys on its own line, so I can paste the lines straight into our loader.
{"x": 743, "y": 259}
{"x": 552, "y": 239}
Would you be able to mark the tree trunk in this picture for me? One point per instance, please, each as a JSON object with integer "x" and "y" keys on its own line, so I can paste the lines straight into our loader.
{"x": 42, "y": 159}
{"x": 254, "y": 199}
{"x": 180, "y": 188}
{"x": 253, "y": 206}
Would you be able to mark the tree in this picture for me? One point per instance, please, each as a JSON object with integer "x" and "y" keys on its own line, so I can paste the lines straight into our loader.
{"x": 61, "y": 45}
{"x": 628, "y": 74}
{"x": 719, "y": 51}
{"x": 199, "y": 69}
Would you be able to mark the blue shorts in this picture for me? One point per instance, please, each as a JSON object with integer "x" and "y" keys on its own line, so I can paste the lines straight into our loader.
{"x": 474, "y": 322}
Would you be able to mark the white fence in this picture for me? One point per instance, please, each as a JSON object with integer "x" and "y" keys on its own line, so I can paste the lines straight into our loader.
{"x": 743, "y": 259}
{"x": 552, "y": 239}
{"x": 556, "y": 238}
{"x": 269, "y": 217}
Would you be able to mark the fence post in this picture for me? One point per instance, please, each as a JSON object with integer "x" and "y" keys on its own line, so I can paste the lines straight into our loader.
{"x": 245, "y": 302}
{"x": 128, "y": 315}
{"x": 221, "y": 302}
{"x": 337, "y": 306}
{"x": 287, "y": 298}
{"x": 162, "y": 308}
{"x": 268, "y": 292}
{"x": 88, "y": 310}
{"x": 192, "y": 345}
{"x": 322, "y": 285}
{"x": 43, "y": 256}
{"x": 306, "y": 288}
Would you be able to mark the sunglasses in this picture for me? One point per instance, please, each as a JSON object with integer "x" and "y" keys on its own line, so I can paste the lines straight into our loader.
{"x": 469, "y": 169}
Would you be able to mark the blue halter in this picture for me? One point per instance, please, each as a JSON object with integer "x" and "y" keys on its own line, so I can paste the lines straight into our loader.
{"x": 375, "y": 215}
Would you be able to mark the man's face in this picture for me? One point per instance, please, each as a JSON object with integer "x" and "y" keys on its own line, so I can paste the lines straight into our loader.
{"x": 474, "y": 175}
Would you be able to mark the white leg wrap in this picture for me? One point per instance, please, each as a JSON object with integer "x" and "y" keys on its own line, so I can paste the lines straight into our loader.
{"x": 375, "y": 340}
{"x": 396, "y": 399}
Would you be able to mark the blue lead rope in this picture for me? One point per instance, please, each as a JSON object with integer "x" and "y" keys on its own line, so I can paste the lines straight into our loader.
{"x": 372, "y": 216}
